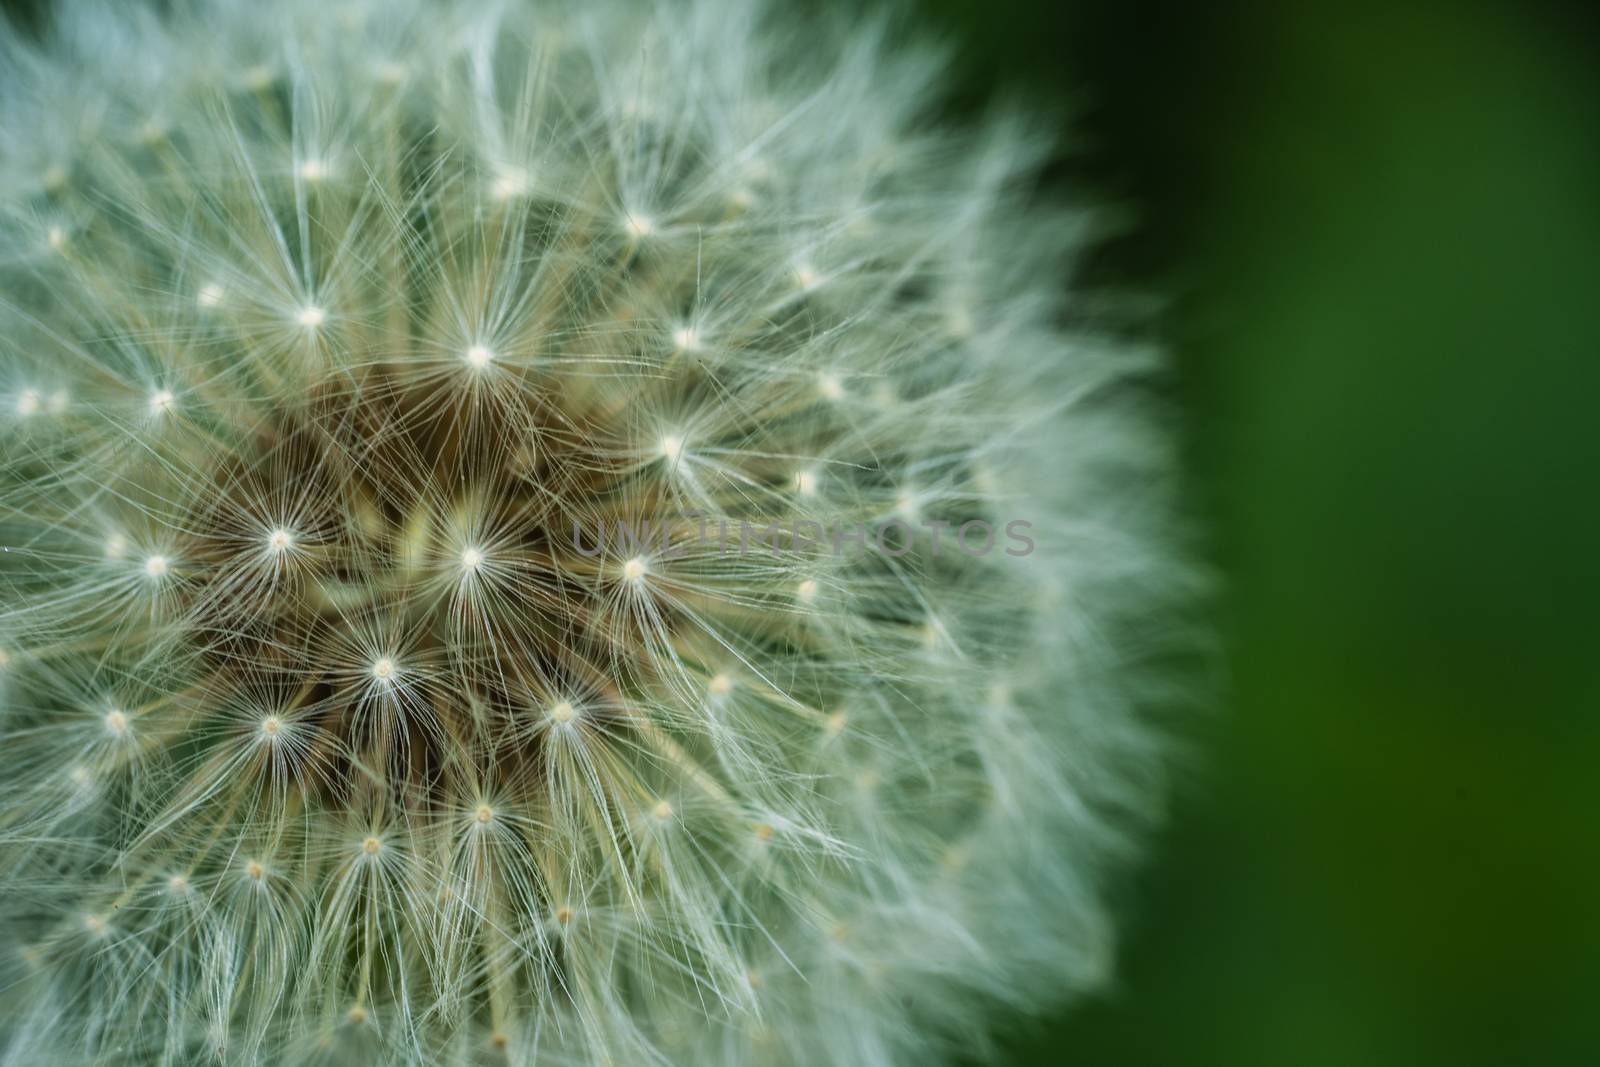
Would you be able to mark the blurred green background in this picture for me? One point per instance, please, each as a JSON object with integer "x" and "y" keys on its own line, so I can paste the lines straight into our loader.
{"x": 1378, "y": 227}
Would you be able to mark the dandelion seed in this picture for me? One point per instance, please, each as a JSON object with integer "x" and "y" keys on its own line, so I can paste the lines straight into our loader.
{"x": 720, "y": 685}
{"x": 161, "y": 401}
{"x": 371, "y": 845}
{"x": 639, "y": 225}
{"x": 155, "y": 566}
{"x": 27, "y": 403}
{"x": 116, "y": 547}
{"x": 484, "y": 814}
{"x": 806, "y": 591}
{"x": 56, "y": 238}
{"x": 805, "y": 482}
{"x": 685, "y": 339}
{"x": 510, "y": 183}
{"x": 116, "y": 723}
{"x": 311, "y": 316}
{"x": 662, "y": 811}
{"x": 356, "y": 1015}
{"x": 478, "y": 357}
{"x": 209, "y": 295}
{"x": 254, "y": 870}
{"x": 806, "y": 277}
{"x": 830, "y": 386}
{"x": 312, "y": 170}
{"x": 471, "y": 559}
{"x": 280, "y": 540}
{"x": 383, "y": 669}
{"x": 670, "y": 447}
{"x": 562, "y": 713}
{"x": 635, "y": 569}
{"x": 271, "y": 726}
{"x": 178, "y": 884}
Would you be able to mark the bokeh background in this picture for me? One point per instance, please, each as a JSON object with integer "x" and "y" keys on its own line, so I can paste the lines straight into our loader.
{"x": 1376, "y": 230}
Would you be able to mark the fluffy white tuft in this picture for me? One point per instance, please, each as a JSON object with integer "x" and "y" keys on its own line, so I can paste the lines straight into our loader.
{"x": 340, "y": 341}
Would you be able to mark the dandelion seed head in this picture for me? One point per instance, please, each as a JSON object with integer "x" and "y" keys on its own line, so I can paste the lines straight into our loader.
{"x": 367, "y": 678}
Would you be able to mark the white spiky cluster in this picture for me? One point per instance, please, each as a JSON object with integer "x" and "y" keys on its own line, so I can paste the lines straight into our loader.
{"x": 333, "y": 338}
